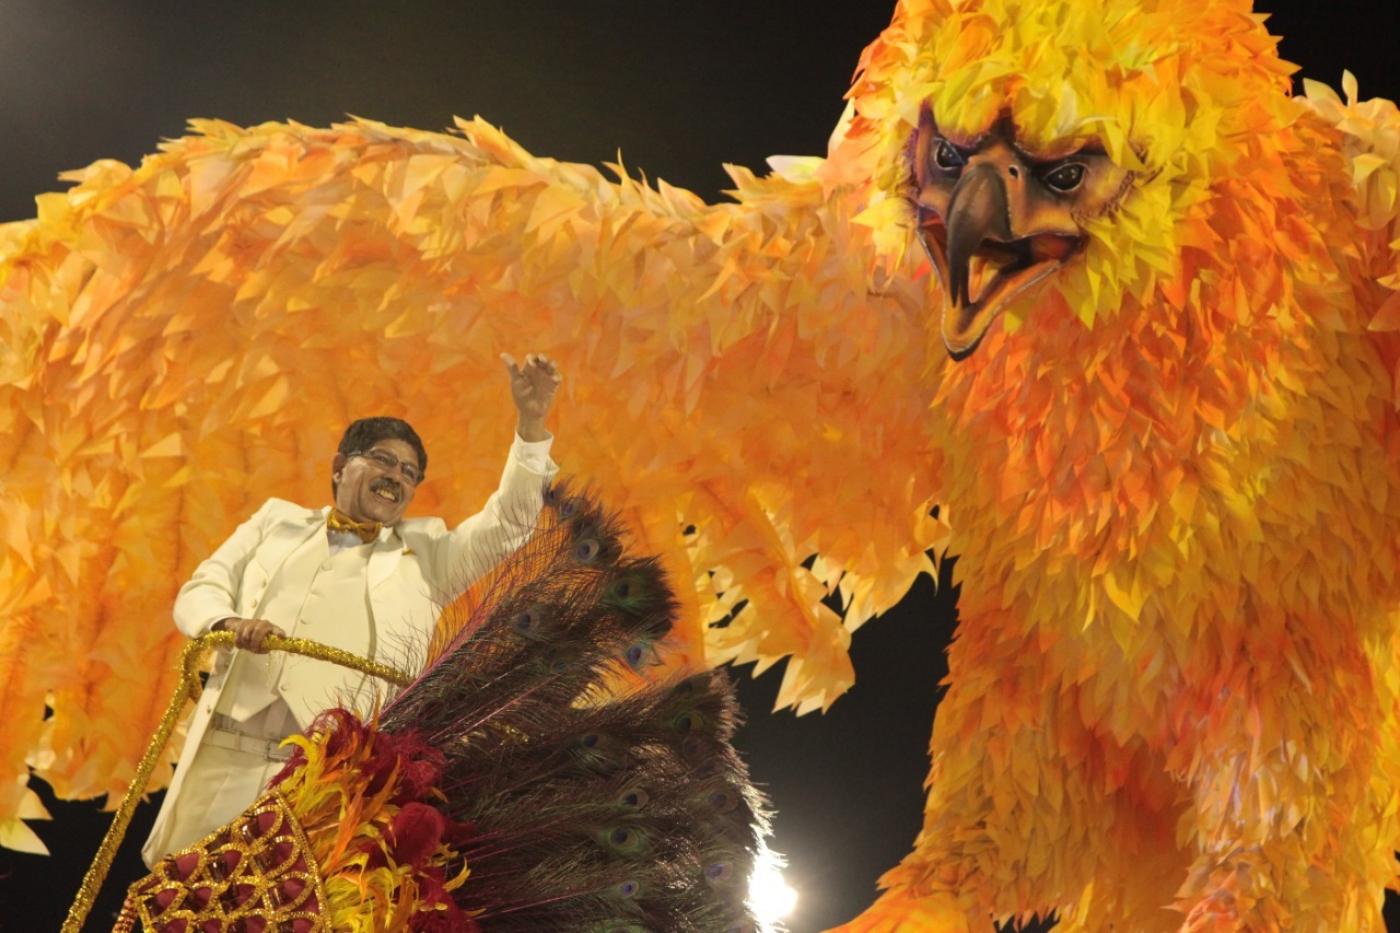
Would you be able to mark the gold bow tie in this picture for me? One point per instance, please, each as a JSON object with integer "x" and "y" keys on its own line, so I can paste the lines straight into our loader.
{"x": 339, "y": 521}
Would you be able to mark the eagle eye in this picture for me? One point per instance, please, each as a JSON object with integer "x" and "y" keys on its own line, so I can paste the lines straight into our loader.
{"x": 1066, "y": 177}
{"x": 947, "y": 157}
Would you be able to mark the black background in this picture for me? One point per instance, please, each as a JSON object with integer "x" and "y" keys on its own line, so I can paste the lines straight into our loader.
{"x": 679, "y": 88}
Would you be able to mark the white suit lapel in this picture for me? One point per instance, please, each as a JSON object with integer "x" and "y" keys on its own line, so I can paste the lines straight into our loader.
{"x": 284, "y": 538}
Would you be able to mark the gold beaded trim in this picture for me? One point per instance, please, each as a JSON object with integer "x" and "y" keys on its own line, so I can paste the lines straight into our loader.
{"x": 258, "y": 867}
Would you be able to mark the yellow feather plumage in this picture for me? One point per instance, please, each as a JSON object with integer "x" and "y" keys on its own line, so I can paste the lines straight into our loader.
{"x": 1172, "y": 473}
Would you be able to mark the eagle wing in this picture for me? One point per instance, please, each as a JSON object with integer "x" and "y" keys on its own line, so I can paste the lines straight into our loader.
{"x": 1370, "y": 147}
{"x": 181, "y": 340}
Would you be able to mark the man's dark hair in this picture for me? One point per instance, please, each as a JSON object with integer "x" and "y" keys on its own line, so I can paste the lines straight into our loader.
{"x": 366, "y": 432}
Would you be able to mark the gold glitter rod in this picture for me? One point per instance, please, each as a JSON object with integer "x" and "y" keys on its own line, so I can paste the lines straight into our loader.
{"x": 188, "y": 689}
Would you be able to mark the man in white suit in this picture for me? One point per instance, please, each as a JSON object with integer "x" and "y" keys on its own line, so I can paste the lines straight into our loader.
{"x": 357, "y": 576}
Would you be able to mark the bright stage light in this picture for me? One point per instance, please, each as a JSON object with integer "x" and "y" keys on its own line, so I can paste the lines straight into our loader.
{"x": 770, "y": 897}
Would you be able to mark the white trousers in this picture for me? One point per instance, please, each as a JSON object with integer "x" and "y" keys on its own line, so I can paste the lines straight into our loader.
{"x": 221, "y": 783}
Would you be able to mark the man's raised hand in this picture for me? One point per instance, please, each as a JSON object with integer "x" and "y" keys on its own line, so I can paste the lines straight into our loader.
{"x": 532, "y": 386}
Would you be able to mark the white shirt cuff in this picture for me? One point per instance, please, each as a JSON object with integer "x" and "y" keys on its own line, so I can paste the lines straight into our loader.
{"x": 534, "y": 455}
{"x": 209, "y": 623}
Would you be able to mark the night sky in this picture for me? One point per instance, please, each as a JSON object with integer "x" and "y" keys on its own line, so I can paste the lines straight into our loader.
{"x": 679, "y": 88}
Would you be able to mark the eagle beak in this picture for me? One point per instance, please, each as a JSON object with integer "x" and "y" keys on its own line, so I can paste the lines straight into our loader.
{"x": 979, "y": 249}
{"x": 977, "y": 215}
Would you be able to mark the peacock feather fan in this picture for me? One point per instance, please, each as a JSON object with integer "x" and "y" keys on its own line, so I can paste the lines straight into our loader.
{"x": 597, "y": 800}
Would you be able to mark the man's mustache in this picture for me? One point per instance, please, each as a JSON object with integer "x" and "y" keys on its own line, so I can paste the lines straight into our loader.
{"x": 389, "y": 485}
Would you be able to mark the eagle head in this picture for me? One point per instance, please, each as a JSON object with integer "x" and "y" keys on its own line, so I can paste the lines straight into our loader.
{"x": 1050, "y": 151}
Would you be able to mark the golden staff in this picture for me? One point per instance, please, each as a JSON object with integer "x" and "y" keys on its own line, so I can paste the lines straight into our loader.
{"x": 188, "y": 689}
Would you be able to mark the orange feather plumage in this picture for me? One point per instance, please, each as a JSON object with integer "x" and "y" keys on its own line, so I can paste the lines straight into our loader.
{"x": 1170, "y": 473}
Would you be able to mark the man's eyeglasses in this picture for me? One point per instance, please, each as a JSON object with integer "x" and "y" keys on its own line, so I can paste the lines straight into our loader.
{"x": 388, "y": 461}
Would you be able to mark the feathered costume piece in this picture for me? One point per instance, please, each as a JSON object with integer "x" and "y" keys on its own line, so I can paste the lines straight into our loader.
{"x": 1168, "y": 452}
{"x": 1172, "y": 450}
{"x": 528, "y": 780}
{"x": 180, "y": 339}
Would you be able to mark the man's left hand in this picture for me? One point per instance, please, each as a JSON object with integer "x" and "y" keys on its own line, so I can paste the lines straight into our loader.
{"x": 532, "y": 386}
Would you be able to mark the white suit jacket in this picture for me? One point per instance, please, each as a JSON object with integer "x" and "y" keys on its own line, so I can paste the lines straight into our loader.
{"x": 411, "y": 564}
